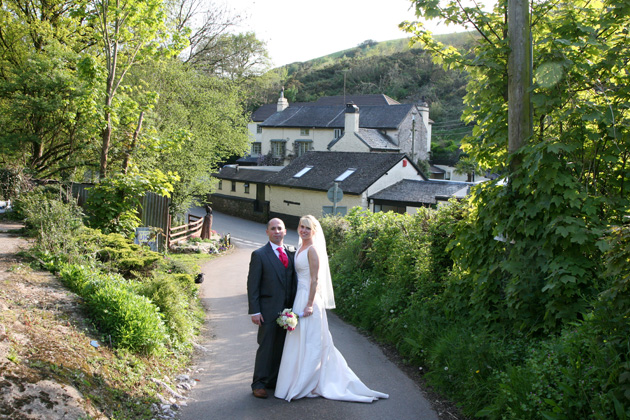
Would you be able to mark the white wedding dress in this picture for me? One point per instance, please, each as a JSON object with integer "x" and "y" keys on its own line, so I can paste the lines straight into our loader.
{"x": 311, "y": 365}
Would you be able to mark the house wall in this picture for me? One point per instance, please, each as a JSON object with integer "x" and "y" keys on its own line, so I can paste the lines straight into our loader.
{"x": 398, "y": 172}
{"x": 226, "y": 189}
{"x": 349, "y": 142}
{"x": 319, "y": 136}
{"x": 298, "y": 202}
{"x": 406, "y": 141}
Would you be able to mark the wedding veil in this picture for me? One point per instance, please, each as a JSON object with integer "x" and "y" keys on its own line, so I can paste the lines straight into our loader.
{"x": 325, "y": 287}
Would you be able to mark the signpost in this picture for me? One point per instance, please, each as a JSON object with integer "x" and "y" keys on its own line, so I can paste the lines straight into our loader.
{"x": 146, "y": 236}
{"x": 335, "y": 194}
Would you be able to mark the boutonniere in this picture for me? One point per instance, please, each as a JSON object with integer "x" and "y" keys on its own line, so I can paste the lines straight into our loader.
{"x": 291, "y": 248}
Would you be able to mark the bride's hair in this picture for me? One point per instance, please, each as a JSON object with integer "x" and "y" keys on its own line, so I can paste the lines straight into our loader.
{"x": 309, "y": 221}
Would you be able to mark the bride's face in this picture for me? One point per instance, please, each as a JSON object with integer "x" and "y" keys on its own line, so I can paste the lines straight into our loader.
{"x": 305, "y": 232}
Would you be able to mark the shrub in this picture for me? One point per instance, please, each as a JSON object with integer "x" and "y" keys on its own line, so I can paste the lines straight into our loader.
{"x": 51, "y": 221}
{"x": 130, "y": 320}
{"x": 174, "y": 295}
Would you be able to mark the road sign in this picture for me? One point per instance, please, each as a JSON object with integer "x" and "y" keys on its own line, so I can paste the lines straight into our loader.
{"x": 335, "y": 194}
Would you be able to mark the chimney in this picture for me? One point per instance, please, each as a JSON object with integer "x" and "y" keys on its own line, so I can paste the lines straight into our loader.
{"x": 423, "y": 108}
{"x": 352, "y": 118}
{"x": 282, "y": 102}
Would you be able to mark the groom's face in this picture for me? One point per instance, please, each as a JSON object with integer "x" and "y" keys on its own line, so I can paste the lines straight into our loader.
{"x": 276, "y": 231}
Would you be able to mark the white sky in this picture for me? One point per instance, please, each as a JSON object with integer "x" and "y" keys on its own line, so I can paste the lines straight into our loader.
{"x": 300, "y": 30}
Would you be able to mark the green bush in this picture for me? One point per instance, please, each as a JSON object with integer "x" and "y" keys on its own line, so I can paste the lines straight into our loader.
{"x": 175, "y": 295}
{"x": 52, "y": 221}
{"x": 395, "y": 276}
{"x": 119, "y": 254}
{"x": 130, "y": 320}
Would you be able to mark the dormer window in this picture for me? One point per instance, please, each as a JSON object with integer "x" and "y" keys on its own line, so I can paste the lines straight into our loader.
{"x": 303, "y": 171}
{"x": 346, "y": 174}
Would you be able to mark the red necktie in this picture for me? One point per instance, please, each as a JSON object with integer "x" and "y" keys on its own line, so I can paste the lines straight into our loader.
{"x": 283, "y": 257}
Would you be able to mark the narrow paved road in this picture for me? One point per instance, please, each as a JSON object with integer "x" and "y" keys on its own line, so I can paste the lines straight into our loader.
{"x": 223, "y": 391}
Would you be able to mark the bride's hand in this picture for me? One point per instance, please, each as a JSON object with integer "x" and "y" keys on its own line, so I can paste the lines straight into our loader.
{"x": 308, "y": 311}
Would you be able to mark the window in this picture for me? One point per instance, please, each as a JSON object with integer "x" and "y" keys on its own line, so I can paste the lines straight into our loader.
{"x": 246, "y": 187}
{"x": 220, "y": 184}
{"x": 278, "y": 148}
{"x": 305, "y": 131}
{"x": 342, "y": 211}
{"x": 302, "y": 172}
{"x": 338, "y": 133}
{"x": 303, "y": 146}
{"x": 345, "y": 175}
{"x": 258, "y": 129}
{"x": 233, "y": 185}
{"x": 256, "y": 148}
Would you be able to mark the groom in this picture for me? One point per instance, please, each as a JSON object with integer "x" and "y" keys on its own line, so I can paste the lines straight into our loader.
{"x": 271, "y": 287}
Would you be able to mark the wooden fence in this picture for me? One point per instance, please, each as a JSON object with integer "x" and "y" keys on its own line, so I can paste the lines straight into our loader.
{"x": 154, "y": 211}
{"x": 183, "y": 232}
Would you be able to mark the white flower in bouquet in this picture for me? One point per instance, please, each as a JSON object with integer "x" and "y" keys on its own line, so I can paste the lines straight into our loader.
{"x": 287, "y": 320}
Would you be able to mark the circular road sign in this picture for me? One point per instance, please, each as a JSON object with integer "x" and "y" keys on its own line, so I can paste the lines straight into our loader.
{"x": 335, "y": 194}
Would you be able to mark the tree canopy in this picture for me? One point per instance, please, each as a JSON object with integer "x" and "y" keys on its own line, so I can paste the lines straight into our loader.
{"x": 93, "y": 88}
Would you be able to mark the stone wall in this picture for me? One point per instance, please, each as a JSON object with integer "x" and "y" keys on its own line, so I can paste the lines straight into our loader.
{"x": 244, "y": 208}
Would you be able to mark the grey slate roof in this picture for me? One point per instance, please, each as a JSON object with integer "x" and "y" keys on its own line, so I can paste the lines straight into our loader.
{"x": 378, "y": 117}
{"x": 359, "y": 100}
{"x": 327, "y": 166}
{"x": 265, "y": 111}
{"x": 422, "y": 192}
{"x": 374, "y": 139}
{"x": 247, "y": 173}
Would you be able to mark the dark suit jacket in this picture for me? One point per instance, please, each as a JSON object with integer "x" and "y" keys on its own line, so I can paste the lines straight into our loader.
{"x": 270, "y": 286}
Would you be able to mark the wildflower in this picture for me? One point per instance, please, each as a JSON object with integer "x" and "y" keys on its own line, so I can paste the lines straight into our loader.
{"x": 445, "y": 367}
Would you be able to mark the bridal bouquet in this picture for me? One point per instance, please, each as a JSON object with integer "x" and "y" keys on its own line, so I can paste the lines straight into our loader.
{"x": 287, "y": 320}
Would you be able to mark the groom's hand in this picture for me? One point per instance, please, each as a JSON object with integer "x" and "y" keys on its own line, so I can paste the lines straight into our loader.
{"x": 258, "y": 319}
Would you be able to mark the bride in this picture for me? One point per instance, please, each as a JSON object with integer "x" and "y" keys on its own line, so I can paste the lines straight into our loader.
{"x": 311, "y": 365}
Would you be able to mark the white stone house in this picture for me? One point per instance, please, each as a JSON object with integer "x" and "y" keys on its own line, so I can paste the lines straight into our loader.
{"x": 377, "y": 123}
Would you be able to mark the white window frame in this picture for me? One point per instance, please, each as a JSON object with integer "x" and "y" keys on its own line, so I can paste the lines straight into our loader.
{"x": 305, "y": 131}
{"x": 338, "y": 133}
{"x": 256, "y": 148}
{"x": 278, "y": 148}
{"x": 303, "y": 146}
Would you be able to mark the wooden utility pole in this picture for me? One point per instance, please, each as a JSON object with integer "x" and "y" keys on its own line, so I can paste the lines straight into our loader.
{"x": 519, "y": 78}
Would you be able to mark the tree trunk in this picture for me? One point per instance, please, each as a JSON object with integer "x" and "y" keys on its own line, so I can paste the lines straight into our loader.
{"x": 519, "y": 79}
{"x": 106, "y": 135}
{"x": 134, "y": 143}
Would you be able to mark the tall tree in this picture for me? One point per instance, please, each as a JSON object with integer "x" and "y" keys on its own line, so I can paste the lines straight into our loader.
{"x": 46, "y": 83}
{"x": 197, "y": 123}
{"x": 130, "y": 31}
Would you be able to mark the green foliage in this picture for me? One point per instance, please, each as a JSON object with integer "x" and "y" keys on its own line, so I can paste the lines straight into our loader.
{"x": 387, "y": 262}
{"x": 113, "y": 204}
{"x": 395, "y": 276}
{"x": 175, "y": 295}
{"x": 51, "y": 219}
{"x": 529, "y": 251}
{"x": 130, "y": 320}
{"x": 188, "y": 127}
